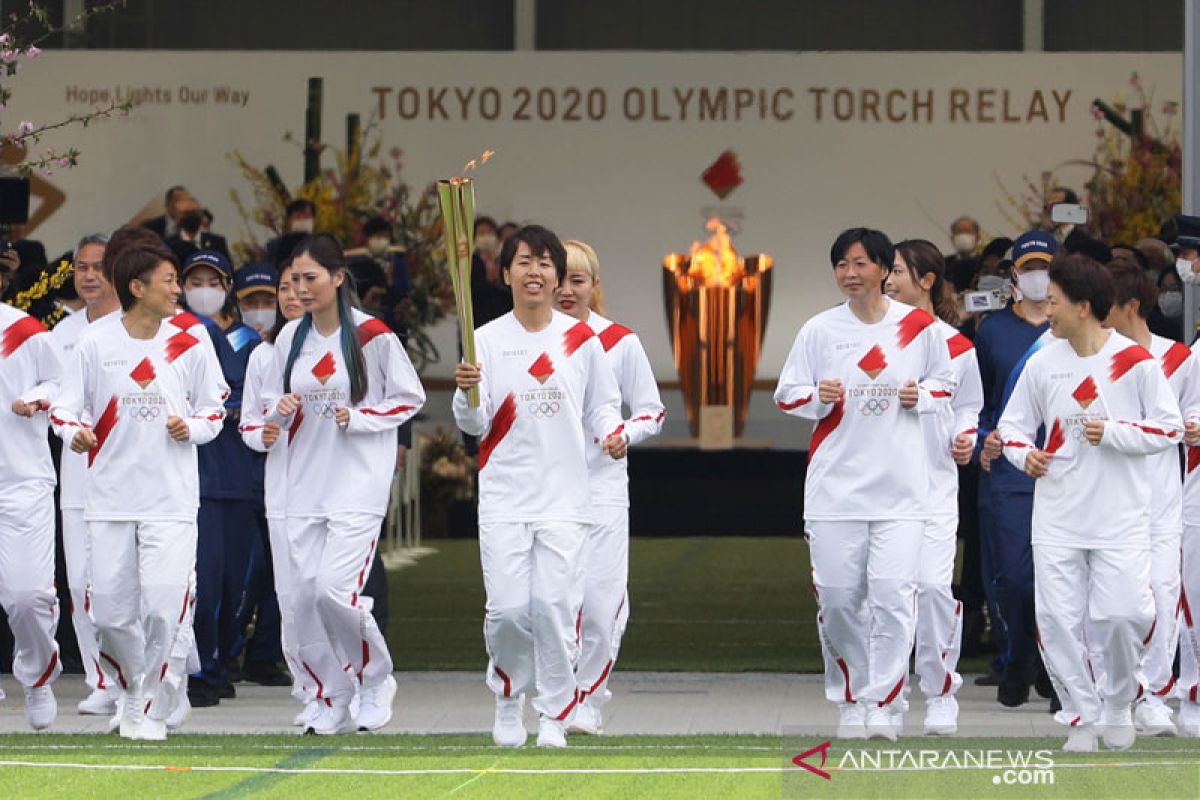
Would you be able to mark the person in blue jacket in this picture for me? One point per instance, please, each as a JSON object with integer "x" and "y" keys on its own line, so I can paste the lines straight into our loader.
{"x": 1005, "y": 341}
{"x": 227, "y": 520}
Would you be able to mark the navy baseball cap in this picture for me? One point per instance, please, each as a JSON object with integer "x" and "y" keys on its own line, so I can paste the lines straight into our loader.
{"x": 208, "y": 258}
{"x": 1034, "y": 244}
{"x": 255, "y": 277}
{"x": 1187, "y": 230}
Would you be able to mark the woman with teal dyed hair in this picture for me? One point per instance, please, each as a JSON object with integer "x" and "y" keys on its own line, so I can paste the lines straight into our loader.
{"x": 340, "y": 385}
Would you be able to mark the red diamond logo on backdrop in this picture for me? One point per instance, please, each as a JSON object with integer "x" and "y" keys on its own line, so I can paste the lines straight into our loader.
{"x": 873, "y": 362}
{"x": 143, "y": 374}
{"x": 1085, "y": 393}
{"x": 542, "y": 369}
{"x": 723, "y": 175}
{"x": 324, "y": 369}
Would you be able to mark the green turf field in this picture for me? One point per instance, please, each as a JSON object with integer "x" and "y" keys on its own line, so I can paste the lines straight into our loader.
{"x": 733, "y": 604}
{"x": 731, "y": 767}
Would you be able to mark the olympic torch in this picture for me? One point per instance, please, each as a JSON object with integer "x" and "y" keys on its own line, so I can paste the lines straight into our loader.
{"x": 456, "y": 198}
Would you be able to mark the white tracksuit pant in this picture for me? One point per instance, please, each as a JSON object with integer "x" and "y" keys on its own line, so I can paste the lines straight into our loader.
{"x": 142, "y": 591}
{"x": 1165, "y": 582}
{"x": 1097, "y": 598}
{"x": 1189, "y": 633}
{"x": 27, "y": 580}
{"x": 281, "y": 562}
{"x": 865, "y": 576}
{"x": 75, "y": 553}
{"x": 338, "y": 643}
{"x": 529, "y": 575}
{"x": 604, "y": 606}
{"x": 939, "y": 615}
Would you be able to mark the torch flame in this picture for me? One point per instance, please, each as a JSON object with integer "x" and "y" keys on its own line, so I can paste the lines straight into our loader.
{"x": 715, "y": 262}
{"x": 476, "y": 164}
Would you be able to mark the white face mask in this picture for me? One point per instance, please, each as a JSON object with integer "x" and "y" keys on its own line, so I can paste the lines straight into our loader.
{"x": 378, "y": 245}
{"x": 303, "y": 225}
{"x": 261, "y": 319}
{"x": 964, "y": 242}
{"x": 487, "y": 244}
{"x": 1171, "y": 304}
{"x": 1034, "y": 285}
{"x": 205, "y": 300}
{"x": 1186, "y": 273}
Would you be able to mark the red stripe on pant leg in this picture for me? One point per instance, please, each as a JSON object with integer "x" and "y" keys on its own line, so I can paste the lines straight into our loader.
{"x": 892, "y": 696}
{"x": 1166, "y": 690}
{"x": 313, "y": 675}
{"x": 946, "y": 686}
{"x": 570, "y": 707}
{"x": 100, "y": 675}
{"x": 1074, "y": 722}
{"x": 1183, "y": 602}
{"x": 507, "y": 683}
{"x": 1192, "y": 694}
{"x": 603, "y": 677}
{"x": 846, "y": 674}
{"x": 117, "y": 667}
{"x": 1150, "y": 635}
{"x": 183, "y": 611}
{"x": 49, "y": 670}
{"x": 1141, "y": 691}
{"x": 162, "y": 673}
{"x": 366, "y": 658}
{"x": 579, "y": 628}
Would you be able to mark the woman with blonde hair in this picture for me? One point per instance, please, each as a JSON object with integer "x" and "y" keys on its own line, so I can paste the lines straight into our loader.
{"x": 604, "y": 608}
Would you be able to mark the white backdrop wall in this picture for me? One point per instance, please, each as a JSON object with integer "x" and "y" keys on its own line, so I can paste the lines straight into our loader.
{"x": 607, "y": 147}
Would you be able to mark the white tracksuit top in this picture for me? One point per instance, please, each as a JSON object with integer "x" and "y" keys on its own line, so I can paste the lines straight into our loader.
{"x": 863, "y": 462}
{"x": 255, "y": 414}
{"x": 29, "y": 370}
{"x": 624, "y": 354}
{"x": 1092, "y": 497}
{"x": 543, "y": 398}
{"x": 1166, "y": 487}
{"x": 961, "y": 417}
{"x": 73, "y": 467}
{"x": 1191, "y": 478}
{"x": 331, "y": 471}
{"x": 128, "y": 388}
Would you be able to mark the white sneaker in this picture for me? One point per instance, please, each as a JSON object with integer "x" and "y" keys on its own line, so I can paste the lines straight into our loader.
{"x": 551, "y": 733}
{"x": 331, "y": 720}
{"x": 41, "y": 709}
{"x": 852, "y": 721}
{"x": 375, "y": 705}
{"x": 586, "y": 719}
{"x": 179, "y": 713}
{"x": 879, "y": 723}
{"x": 150, "y": 730}
{"x": 941, "y": 716}
{"x": 1081, "y": 739}
{"x": 114, "y": 724}
{"x": 1189, "y": 719}
{"x": 508, "y": 730}
{"x": 307, "y": 714}
{"x": 1119, "y": 733}
{"x": 100, "y": 703}
{"x": 131, "y": 716}
{"x": 1153, "y": 718}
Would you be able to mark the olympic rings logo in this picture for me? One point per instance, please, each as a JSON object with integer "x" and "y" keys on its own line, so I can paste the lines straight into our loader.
{"x": 1078, "y": 433}
{"x": 544, "y": 408}
{"x": 145, "y": 413}
{"x": 325, "y": 410}
{"x": 873, "y": 406}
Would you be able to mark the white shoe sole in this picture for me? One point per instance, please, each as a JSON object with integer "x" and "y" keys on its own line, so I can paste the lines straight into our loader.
{"x": 390, "y": 684}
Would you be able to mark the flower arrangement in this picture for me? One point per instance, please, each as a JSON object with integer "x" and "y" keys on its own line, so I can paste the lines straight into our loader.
{"x": 363, "y": 185}
{"x": 38, "y": 299}
{"x": 1137, "y": 171}
{"x": 447, "y": 472}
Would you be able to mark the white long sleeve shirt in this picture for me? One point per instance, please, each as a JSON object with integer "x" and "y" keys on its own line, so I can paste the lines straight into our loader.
{"x": 125, "y": 389}
{"x": 861, "y": 463}
{"x": 624, "y": 354}
{"x": 256, "y": 413}
{"x": 960, "y": 418}
{"x": 30, "y": 370}
{"x": 1191, "y": 478}
{"x": 1166, "y": 487}
{"x": 73, "y": 466}
{"x": 329, "y": 470}
{"x": 1092, "y": 497}
{"x": 544, "y": 397}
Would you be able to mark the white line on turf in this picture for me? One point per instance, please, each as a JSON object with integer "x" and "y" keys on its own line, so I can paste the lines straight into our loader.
{"x": 520, "y": 771}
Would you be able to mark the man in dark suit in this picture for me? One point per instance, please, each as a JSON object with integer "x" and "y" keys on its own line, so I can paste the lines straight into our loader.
{"x": 189, "y": 238}
{"x": 167, "y": 225}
